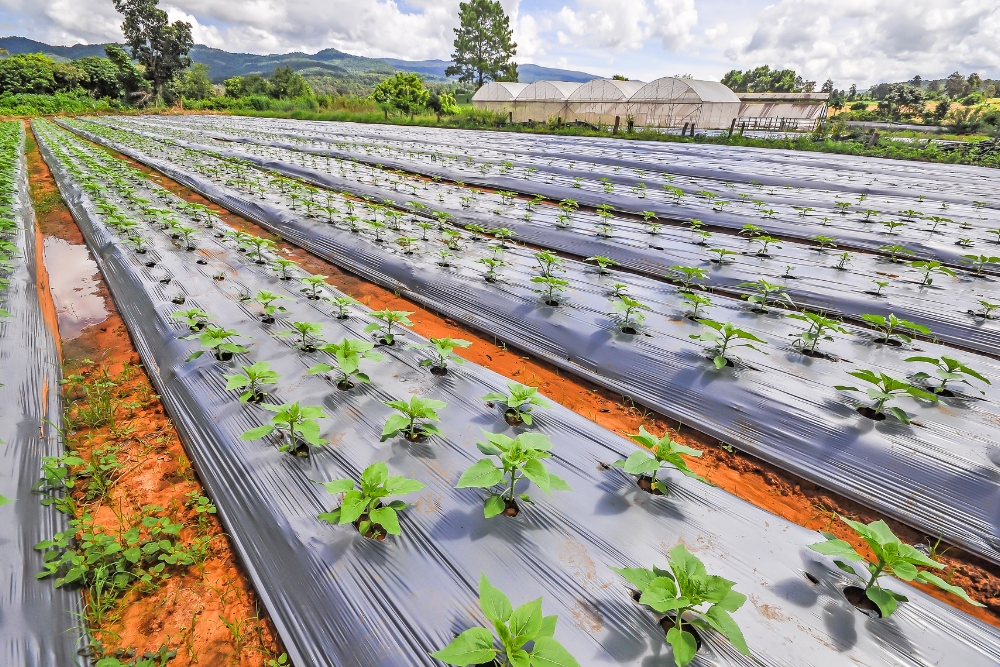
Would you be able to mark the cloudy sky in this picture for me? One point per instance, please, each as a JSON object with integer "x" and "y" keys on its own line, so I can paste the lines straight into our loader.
{"x": 850, "y": 41}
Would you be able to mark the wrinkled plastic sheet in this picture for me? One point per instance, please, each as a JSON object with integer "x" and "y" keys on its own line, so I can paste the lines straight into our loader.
{"x": 782, "y": 408}
{"x": 339, "y": 599}
{"x": 947, "y": 307}
{"x": 37, "y": 621}
{"x": 850, "y": 233}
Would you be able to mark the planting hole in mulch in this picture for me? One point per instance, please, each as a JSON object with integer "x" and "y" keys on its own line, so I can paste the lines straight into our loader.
{"x": 816, "y": 354}
{"x": 372, "y": 533}
{"x": 260, "y": 262}
{"x": 510, "y": 508}
{"x": 667, "y": 623}
{"x": 178, "y": 300}
{"x": 892, "y": 342}
{"x": 551, "y": 302}
{"x": 267, "y": 319}
{"x": 224, "y": 356}
{"x": 140, "y": 251}
{"x": 345, "y": 385}
{"x": 417, "y": 435}
{"x": 512, "y": 416}
{"x": 164, "y": 281}
{"x": 629, "y": 330}
{"x": 646, "y": 484}
{"x": 856, "y": 596}
{"x": 312, "y": 298}
{"x": 198, "y": 326}
{"x": 870, "y": 413}
{"x": 386, "y": 341}
{"x": 202, "y": 261}
{"x": 812, "y": 578}
{"x": 875, "y": 294}
{"x": 439, "y": 370}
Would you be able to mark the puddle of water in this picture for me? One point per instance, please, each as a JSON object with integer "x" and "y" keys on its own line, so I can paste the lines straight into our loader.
{"x": 73, "y": 285}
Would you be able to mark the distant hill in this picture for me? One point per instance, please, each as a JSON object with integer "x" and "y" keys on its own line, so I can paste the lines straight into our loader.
{"x": 329, "y": 71}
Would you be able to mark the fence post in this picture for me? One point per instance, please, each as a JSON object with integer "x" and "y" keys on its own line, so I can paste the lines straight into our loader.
{"x": 510, "y": 117}
{"x": 732, "y": 126}
{"x": 617, "y": 121}
{"x": 684, "y": 130}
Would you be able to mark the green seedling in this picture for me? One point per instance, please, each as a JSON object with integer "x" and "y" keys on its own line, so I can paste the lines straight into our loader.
{"x": 995, "y": 231}
{"x": 662, "y": 452}
{"x": 514, "y": 628}
{"x": 765, "y": 241}
{"x": 492, "y": 265}
{"x": 845, "y": 259}
{"x": 910, "y": 214}
{"x": 892, "y": 557}
{"x": 890, "y": 326}
{"x": 825, "y": 242}
{"x": 721, "y": 255}
{"x": 884, "y": 389}
{"x": 520, "y": 457}
{"x": 965, "y": 242}
{"x": 979, "y": 262}
{"x": 294, "y": 423}
{"x": 282, "y": 266}
{"x": 312, "y": 287}
{"x": 348, "y": 354}
{"x": 928, "y": 268}
{"x": 687, "y": 275}
{"x": 880, "y": 285}
{"x": 445, "y": 257}
{"x": 369, "y": 507}
{"x": 548, "y": 262}
{"x": 550, "y": 286}
{"x": 988, "y": 308}
{"x": 260, "y": 245}
{"x": 842, "y": 206}
{"x": 629, "y": 313}
{"x": 266, "y": 300}
{"x": 684, "y": 591}
{"x": 819, "y": 328}
{"x": 519, "y": 401}
{"x": 218, "y": 341}
{"x": 341, "y": 304}
{"x": 309, "y": 335}
{"x": 390, "y": 319}
{"x": 195, "y": 318}
{"x": 869, "y": 213}
{"x": 724, "y": 336}
{"x": 444, "y": 352}
{"x": 617, "y": 289}
{"x": 252, "y": 379}
{"x": 414, "y": 419}
{"x": 895, "y": 251}
{"x": 697, "y": 301}
{"x": 765, "y": 292}
{"x": 503, "y": 235}
{"x": 751, "y": 230}
{"x": 892, "y": 225}
{"x": 602, "y": 263}
{"x": 947, "y": 369}
{"x": 937, "y": 221}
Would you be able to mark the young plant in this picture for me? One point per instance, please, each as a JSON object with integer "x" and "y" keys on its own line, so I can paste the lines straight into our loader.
{"x": 845, "y": 259}
{"x": 687, "y": 276}
{"x": 548, "y": 262}
{"x": 979, "y": 262}
{"x": 282, "y": 266}
{"x": 884, "y": 389}
{"x": 696, "y": 301}
{"x": 369, "y": 507}
{"x": 947, "y": 369}
{"x": 218, "y": 341}
{"x": 252, "y": 379}
{"x": 309, "y": 334}
{"x": 348, "y": 354}
{"x": 892, "y": 557}
{"x": 602, "y": 263}
{"x": 928, "y": 269}
{"x": 260, "y": 245}
{"x": 294, "y": 423}
{"x": 312, "y": 286}
{"x": 987, "y": 312}
{"x": 444, "y": 352}
{"x": 492, "y": 265}
{"x": 819, "y": 329}
{"x": 895, "y": 251}
{"x": 267, "y": 299}
{"x": 390, "y": 318}
{"x": 723, "y": 337}
{"x": 519, "y": 402}
{"x": 195, "y": 318}
{"x": 721, "y": 254}
{"x": 683, "y": 591}
{"x": 825, "y": 242}
{"x": 765, "y": 291}
{"x": 662, "y": 452}
{"x": 550, "y": 286}
{"x": 520, "y": 457}
{"x": 340, "y": 304}
{"x": 629, "y": 312}
{"x": 414, "y": 419}
{"x": 890, "y": 326}
{"x": 765, "y": 242}
{"x": 514, "y": 628}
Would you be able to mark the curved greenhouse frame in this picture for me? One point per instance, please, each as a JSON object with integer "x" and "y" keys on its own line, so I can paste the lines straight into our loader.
{"x": 497, "y": 96}
{"x": 544, "y": 100}
{"x": 598, "y": 102}
{"x": 674, "y": 102}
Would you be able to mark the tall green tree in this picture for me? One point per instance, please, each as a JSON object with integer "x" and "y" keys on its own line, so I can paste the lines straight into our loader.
{"x": 403, "y": 91}
{"x": 161, "y": 47}
{"x": 484, "y": 45}
{"x": 287, "y": 83}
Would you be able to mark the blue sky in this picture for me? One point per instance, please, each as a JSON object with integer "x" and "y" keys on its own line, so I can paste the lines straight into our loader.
{"x": 850, "y": 41}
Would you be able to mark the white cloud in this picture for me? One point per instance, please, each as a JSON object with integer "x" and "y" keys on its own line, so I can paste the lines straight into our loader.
{"x": 867, "y": 41}
{"x": 626, "y": 25}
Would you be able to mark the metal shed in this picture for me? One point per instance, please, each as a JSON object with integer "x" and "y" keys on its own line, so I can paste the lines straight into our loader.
{"x": 799, "y": 106}
{"x": 544, "y": 100}
{"x": 674, "y": 102}
{"x": 598, "y": 102}
{"x": 497, "y": 96}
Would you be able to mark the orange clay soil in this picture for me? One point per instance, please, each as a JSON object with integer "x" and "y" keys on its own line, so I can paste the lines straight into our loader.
{"x": 192, "y": 611}
{"x": 741, "y": 474}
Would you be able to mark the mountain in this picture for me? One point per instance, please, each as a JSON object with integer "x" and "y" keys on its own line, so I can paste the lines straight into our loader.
{"x": 328, "y": 71}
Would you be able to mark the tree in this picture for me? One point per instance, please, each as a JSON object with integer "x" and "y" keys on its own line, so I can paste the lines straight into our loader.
{"x": 442, "y": 104}
{"x": 193, "y": 84}
{"x": 917, "y": 81}
{"x": 763, "y": 80}
{"x": 956, "y": 85}
{"x": 484, "y": 46}
{"x": 619, "y": 77}
{"x": 403, "y": 91}
{"x": 827, "y": 86}
{"x": 975, "y": 82}
{"x": 103, "y": 78}
{"x": 288, "y": 84}
{"x": 162, "y": 48}
{"x": 37, "y": 73}
{"x": 133, "y": 84}
{"x": 852, "y": 94}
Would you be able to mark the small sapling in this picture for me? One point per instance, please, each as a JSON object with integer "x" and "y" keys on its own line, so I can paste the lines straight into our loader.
{"x": 348, "y": 354}
{"x": 444, "y": 352}
{"x": 195, "y": 318}
{"x": 659, "y": 453}
{"x": 819, "y": 328}
{"x": 266, "y": 300}
{"x": 885, "y": 388}
{"x": 309, "y": 335}
{"x": 723, "y": 337}
{"x": 413, "y": 420}
{"x": 519, "y": 401}
{"x": 312, "y": 287}
{"x": 218, "y": 341}
{"x": 253, "y": 379}
{"x": 765, "y": 292}
{"x": 550, "y": 286}
{"x": 947, "y": 369}
{"x": 629, "y": 313}
{"x": 295, "y": 423}
{"x": 687, "y": 275}
{"x": 390, "y": 319}
{"x": 602, "y": 263}
{"x": 890, "y": 328}
{"x": 369, "y": 507}
{"x": 928, "y": 269}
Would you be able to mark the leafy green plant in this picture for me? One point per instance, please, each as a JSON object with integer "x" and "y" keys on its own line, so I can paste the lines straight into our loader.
{"x": 988, "y": 308}
{"x": 195, "y": 318}
{"x": 629, "y": 313}
{"x": 267, "y": 299}
{"x": 340, "y": 304}
{"x": 253, "y": 378}
{"x": 519, "y": 401}
{"x": 309, "y": 335}
{"x": 662, "y": 452}
{"x": 765, "y": 292}
{"x": 548, "y": 262}
{"x": 696, "y": 301}
{"x": 979, "y": 262}
{"x": 312, "y": 286}
{"x": 390, "y": 319}
{"x": 845, "y": 259}
{"x": 819, "y": 328}
{"x": 682, "y": 591}
{"x": 721, "y": 254}
{"x": 514, "y": 629}
{"x": 294, "y": 423}
{"x": 218, "y": 341}
{"x": 890, "y": 326}
{"x": 947, "y": 369}
{"x": 895, "y": 251}
{"x": 413, "y": 420}
{"x": 885, "y": 388}
{"x": 892, "y": 557}
{"x": 687, "y": 275}
{"x": 724, "y": 336}
{"x": 520, "y": 457}
{"x": 283, "y": 266}
{"x": 444, "y": 352}
{"x": 492, "y": 264}
{"x": 928, "y": 268}
{"x": 825, "y": 242}
{"x": 367, "y": 507}
{"x": 602, "y": 263}
{"x": 348, "y": 354}
{"x": 550, "y": 286}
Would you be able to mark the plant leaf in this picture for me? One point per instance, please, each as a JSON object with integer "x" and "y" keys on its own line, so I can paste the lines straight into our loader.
{"x": 550, "y": 653}
{"x": 639, "y": 577}
{"x": 526, "y": 621}
{"x": 482, "y": 474}
{"x": 886, "y": 602}
{"x": 472, "y": 647}
{"x": 494, "y": 505}
{"x": 684, "y": 645}
{"x": 258, "y": 433}
{"x": 339, "y": 485}
{"x": 387, "y": 518}
{"x": 931, "y": 578}
{"x": 720, "y": 619}
{"x": 496, "y": 606}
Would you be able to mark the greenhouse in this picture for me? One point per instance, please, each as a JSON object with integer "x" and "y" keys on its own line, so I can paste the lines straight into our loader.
{"x": 497, "y": 96}
{"x": 598, "y": 102}
{"x": 544, "y": 100}
{"x": 799, "y": 106}
{"x": 676, "y": 102}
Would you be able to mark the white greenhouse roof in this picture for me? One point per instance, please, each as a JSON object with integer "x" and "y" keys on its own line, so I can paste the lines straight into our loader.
{"x": 498, "y": 91}
{"x": 548, "y": 90}
{"x": 673, "y": 89}
{"x": 606, "y": 90}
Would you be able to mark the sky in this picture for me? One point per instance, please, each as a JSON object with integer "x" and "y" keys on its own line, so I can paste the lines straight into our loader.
{"x": 849, "y": 41}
